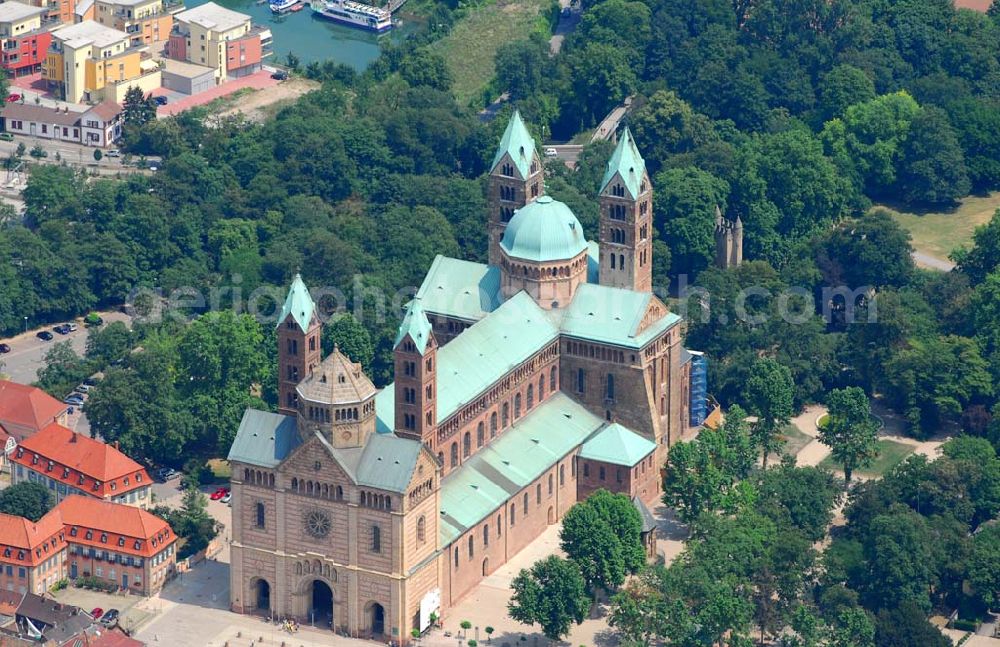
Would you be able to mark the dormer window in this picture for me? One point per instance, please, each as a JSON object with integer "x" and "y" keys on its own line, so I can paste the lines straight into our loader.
{"x": 6, "y": 552}
{"x": 72, "y": 531}
{"x": 125, "y": 481}
{"x": 81, "y": 480}
{"x": 113, "y": 485}
{"x": 138, "y": 478}
{"x": 65, "y": 472}
{"x": 49, "y": 466}
{"x": 104, "y": 537}
{"x": 20, "y": 555}
{"x": 89, "y": 535}
{"x": 20, "y": 452}
{"x": 34, "y": 460}
{"x": 138, "y": 544}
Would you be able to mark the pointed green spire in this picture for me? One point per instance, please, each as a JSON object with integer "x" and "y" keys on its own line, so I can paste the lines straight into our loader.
{"x": 298, "y": 303}
{"x": 518, "y": 143}
{"x": 627, "y": 162}
{"x": 416, "y": 325}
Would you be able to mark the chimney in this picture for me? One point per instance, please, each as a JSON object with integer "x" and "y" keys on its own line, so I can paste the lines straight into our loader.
{"x": 72, "y": 438}
{"x": 116, "y": 444}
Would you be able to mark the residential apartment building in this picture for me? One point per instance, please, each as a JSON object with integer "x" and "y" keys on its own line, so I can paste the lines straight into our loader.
{"x": 32, "y": 554}
{"x": 89, "y": 62}
{"x": 25, "y": 42}
{"x": 26, "y": 410}
{"x": 57, "y": 12}
{"x": 99, "y": 126}
{"x": 86, "y": 537}
{"x": 122, "y": 544}
{"x": 71, "y": 463}
{"x": 145, "y": 21}
{"x": 219, "y": 38}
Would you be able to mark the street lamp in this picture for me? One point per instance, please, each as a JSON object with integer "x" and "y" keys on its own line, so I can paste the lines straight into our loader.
{"x": 26, "y": 323}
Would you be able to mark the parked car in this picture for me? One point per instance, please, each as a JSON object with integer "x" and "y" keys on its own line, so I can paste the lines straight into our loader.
{"x": 160, "y": 101}
{"x": 83, "y": 388}
{"x": 551, "y": 152}
{"x": 114, "y": 152}
{"x": 11, "y": 98}
{"x": 44, "y": 335}
{"x": 166, "y": 473}
{"x": 4, "y": 348}
{"x": 219, "y": 493}
{"x": 279, "y": 75}
{"x": 97, "y": 612}
{"x": 110, "y": 617}
{"x": 62, "y": 329}
{"x": 71, "y": 326}
{"x": 93, "y": 319}
{"x": 227, "y": 498}
{"x": 74, "y": 399}
{"x": 7, "y": 137}
{"x": 93, "y": 379}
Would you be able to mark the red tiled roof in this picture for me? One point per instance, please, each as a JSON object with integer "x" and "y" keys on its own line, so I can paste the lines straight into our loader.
{"x": 978, "y": 5}
{"x": 9, "y": 601}
{"x": 114, "y": 638}
{"x": 81, "y": 514}
{"x": 106, "y": 110}
{"x": 80, "y": 462}
{"x": 27, "y": 406}
{"x": 29, "y": 543}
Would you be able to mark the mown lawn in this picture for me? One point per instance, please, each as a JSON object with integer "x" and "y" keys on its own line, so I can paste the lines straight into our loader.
{"x": 472, "y": 44}
{"x": 939, "y": 233}
{"x": 795, "y": 440}
{"x": 890, "y": 455}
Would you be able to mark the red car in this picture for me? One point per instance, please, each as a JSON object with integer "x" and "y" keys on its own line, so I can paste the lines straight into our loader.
{"x": 218, "y": 494}
{"x": 97, "y": 612}
{"x": 11, "y": 98}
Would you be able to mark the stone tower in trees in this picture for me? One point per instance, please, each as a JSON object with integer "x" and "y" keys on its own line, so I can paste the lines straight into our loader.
{"x": 415, "y": 351}
{"x": 626, "y": 200}
{"x": 728, "y": 241}
{"x": 299, "y": 352}
{"x": 516, "y": 178}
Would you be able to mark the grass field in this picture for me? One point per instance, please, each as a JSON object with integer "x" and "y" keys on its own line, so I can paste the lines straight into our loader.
{"x": 795, "y": 440}
{"x": 472, "y": 44}
{"x": 890, "y": 455}
{"x": 939, "y": 233}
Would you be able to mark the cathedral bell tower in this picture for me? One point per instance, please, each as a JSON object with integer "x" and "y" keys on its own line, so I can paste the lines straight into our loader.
{"x": 415, "y": 351}
{"x": 626, "y": 201}
{"x": 299, "y": 352}
{"x": 516, "y": 178}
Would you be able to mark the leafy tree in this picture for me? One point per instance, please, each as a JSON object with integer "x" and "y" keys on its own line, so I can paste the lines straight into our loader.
{"x": 592, "y": 545}
{"x": 982, "y": 565}
{"x": 602, "y": 78}
{"x": 871, "y": 251}
{"x": 27, "y": 499}
{"x": 665, "y": 125}
{"x": 424, "y": 67}
{"x": 932, "y": 170}
{"x": 625, "y": 522}
{"x": 901, "y": 562}
{"x": 108, "y": 343}
{"x": 799, "y": 497}
{"x": 984, "y": 256}
{"x": 907, "y": 625}
{"x": 768, "y": 395}
{"x": 685, "y": 202}
{"x": 522, "y": 66}
{"x": 137, "y": 108}
{"x": 551, "y": 594}
{"x": 850, "y": 430}
{"x": 191, "y": 521}
{"x": 62, "y": 371}
{"x": 703, "y": 475}
{"x": 842, "y": 87}
{"x": 352, "y": 338}
{"x": 934, "y": 379}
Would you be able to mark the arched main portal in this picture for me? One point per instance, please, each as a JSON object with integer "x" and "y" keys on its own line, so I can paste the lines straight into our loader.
{"x": 262, "y": 596}
{"x": 376, "y": 619}
{"x": 321, "y": 604}
{"x": 552, "y": 515}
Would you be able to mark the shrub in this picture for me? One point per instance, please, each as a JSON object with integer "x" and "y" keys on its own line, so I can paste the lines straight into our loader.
{"x": 965, "y": 625}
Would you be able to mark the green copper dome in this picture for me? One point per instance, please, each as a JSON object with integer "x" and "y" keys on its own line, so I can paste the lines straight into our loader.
{"x": 544, "y": 230}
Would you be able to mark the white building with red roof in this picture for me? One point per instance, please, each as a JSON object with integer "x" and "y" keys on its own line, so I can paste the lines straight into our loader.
{"x": 71, "y": 463}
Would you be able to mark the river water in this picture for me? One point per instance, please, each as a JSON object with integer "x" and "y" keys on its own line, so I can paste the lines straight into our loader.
{"x": 313, "y": 39}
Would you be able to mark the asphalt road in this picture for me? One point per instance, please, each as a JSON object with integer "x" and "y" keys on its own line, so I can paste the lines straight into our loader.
{"x": 27, "y": 351}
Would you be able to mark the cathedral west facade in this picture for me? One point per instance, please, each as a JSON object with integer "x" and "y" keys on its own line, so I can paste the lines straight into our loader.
{"x": 521, "y": 386}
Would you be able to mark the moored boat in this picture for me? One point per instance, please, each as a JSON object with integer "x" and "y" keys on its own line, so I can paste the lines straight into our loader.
{"x": 278, "y": 6}
{"x": 354, "y": 14}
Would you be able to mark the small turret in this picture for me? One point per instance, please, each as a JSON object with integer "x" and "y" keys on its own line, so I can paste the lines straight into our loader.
{"x": 728, "y": 240}
{"x": 626, "y": 198}
{"x": 299, "y": 331}
{"x": 515, "y": 179}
